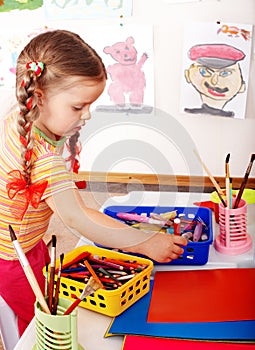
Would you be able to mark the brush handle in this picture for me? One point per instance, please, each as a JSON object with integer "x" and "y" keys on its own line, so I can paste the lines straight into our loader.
{"x": 36, "y": 289}
{"x": 30, "y": 275}
{"x": 217, "y": 187}
{"x": 244, "y": 182}
{"x": 228, "y": 192}
{"x": 51, "y": 287}
{"x": 240, "y": 192}
{"x": 56, "y": 297}
{"x": 72, "y": 306}
{"x": 221, "y": 199}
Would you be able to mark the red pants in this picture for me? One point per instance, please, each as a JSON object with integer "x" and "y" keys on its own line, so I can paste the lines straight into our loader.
{"x": 15, "y": 288}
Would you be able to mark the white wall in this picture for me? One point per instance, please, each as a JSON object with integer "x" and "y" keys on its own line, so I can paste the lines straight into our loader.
{"x": 170, "y": 151}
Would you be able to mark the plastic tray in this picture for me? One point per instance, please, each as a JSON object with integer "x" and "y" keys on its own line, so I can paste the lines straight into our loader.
{"x": 108, "y": 302}
{"x": 195, "y": 253}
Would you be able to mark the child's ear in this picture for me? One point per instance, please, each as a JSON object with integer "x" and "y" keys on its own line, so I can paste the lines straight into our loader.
{"x": 40, "y": 97}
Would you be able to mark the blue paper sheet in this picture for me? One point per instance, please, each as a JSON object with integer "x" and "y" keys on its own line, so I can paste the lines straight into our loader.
{"x": 134, "y": 321}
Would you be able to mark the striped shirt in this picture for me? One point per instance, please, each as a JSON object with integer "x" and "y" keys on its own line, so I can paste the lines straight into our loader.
{"x": 48, "y": 165}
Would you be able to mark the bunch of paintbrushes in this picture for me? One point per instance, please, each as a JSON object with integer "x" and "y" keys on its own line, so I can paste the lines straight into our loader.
{"x": 53, "y": 296}
{"x": 228, "y": 202}
{"x": 52, "y": 288}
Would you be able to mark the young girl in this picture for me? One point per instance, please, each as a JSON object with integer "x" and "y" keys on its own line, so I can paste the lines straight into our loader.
{"x": 58, "y": 77}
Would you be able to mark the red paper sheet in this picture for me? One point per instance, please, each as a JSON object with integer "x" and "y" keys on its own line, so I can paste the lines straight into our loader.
{"x": 203, "y": 296}
{"x": 149, "y": 343}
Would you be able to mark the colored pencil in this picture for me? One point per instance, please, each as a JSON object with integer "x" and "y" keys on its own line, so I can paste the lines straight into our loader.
{"x": 52, "y": 272}
{"x": 28, "y": 271}
{"x": 93, "y": 273}
{"x": 244, "y": 182}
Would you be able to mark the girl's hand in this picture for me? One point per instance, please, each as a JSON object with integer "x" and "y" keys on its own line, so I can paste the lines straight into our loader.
{"x": 161, "y": 247}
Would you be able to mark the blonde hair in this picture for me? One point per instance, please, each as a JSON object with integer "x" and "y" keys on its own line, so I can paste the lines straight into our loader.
{"x": 64, "y": 54}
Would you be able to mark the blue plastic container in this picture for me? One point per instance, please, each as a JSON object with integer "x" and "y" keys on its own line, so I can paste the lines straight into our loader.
{"x": 195, "y": 253}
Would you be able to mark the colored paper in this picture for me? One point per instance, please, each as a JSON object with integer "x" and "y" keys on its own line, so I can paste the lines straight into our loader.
{"x": 216, "y": 295}
{"x": 133, "y": 321}
{"x": 132, "y": 342}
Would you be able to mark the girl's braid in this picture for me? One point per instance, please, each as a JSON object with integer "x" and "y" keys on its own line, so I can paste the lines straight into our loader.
{"x": 74, "y": 147}
{"x": 20, "y": 181}
{"x": 29, "y": 112}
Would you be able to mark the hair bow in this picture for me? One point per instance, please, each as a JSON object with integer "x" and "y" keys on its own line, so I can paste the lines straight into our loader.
{"x": 25, "y": 194}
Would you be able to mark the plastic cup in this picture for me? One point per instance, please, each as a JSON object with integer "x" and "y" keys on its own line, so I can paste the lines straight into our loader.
{"x": 233, "y": 238}
{"x": 56, "y": 331}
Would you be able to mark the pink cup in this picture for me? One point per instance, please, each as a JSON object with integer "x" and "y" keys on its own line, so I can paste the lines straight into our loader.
{"x": 233, "y": 238}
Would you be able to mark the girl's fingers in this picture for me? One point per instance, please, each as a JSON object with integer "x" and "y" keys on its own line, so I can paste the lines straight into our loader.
{"x": 178, "y": 250}
{"x": 180, "y": 240}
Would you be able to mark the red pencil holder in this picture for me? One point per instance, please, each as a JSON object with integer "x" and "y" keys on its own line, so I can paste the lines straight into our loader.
{"x": 233, "y": 238}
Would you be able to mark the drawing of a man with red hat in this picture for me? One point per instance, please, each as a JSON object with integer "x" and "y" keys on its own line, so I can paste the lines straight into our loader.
{"x": 217, "y": 77}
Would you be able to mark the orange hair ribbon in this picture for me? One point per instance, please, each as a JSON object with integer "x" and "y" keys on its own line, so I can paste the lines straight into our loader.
{"x": 28, "y": 194}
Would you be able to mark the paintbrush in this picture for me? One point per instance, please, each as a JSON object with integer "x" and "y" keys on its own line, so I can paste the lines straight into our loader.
{"x": 89, "y": 289}
{"x": 46, "y": 279}
{"x": 219, "y": 191}
{"x": 244, "y": 182}
{"x": 56, "y": 295}
{"x": 227, "y": 180}
{"x": 52, "y": 272}
{"x": 28, "y": 271}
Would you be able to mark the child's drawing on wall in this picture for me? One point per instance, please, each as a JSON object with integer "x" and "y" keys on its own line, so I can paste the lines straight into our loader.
{"x": 115, "y": 4}
{"x": 216, "y": 69}
{"x": 127, "y": 77}
{"x": 74, "y": 9}
{"x": 216, "y": 75}
{"x": 8, "y": 5}
{"x": 128, "y": 59}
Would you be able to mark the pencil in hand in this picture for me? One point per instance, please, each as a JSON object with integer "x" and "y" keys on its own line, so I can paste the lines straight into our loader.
{"x": 56, "y": 294}
{"x": 89, "y": 289}
{"x": 52, "y": 272}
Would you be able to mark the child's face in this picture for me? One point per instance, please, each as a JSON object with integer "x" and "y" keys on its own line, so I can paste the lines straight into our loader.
{"x": 64, "y": 112}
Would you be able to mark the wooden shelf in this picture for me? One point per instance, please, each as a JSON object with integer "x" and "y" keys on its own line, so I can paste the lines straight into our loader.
{"x": 152, "y": 179}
